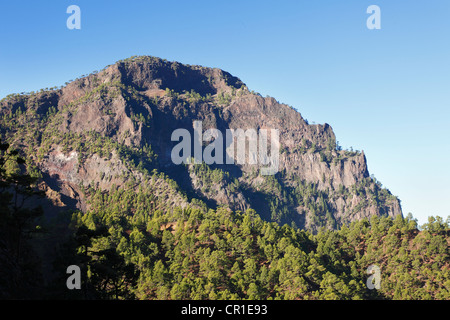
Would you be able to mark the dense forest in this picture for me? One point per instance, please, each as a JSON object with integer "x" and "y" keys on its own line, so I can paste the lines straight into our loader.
{"x": 129, "y": 248}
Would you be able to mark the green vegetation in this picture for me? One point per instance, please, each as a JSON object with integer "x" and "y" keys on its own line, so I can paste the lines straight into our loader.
{"x": 219, "y": 254}
{"x": 19, "y": 264}
{"x": 223, "y": 98}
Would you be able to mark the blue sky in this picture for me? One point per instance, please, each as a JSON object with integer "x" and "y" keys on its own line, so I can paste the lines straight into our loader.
{"x": 385, "y": 91}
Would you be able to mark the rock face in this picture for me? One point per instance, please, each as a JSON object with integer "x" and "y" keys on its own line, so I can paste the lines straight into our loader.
{"x": 137, "y": 103}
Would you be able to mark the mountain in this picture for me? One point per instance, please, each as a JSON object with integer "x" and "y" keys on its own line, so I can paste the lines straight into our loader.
{"x": 88, "y": 180}
{"x": 112, "y": 129}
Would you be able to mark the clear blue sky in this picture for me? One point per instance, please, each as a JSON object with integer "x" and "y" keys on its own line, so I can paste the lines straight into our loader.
{"x": 386, "y": 91}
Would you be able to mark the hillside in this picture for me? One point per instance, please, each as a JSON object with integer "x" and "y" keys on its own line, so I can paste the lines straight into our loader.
{"x": 87, "y": 178}
{"x": 113, "y": 128}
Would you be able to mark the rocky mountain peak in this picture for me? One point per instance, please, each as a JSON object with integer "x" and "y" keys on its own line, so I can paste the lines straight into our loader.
{"x": 119, "y": 122}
